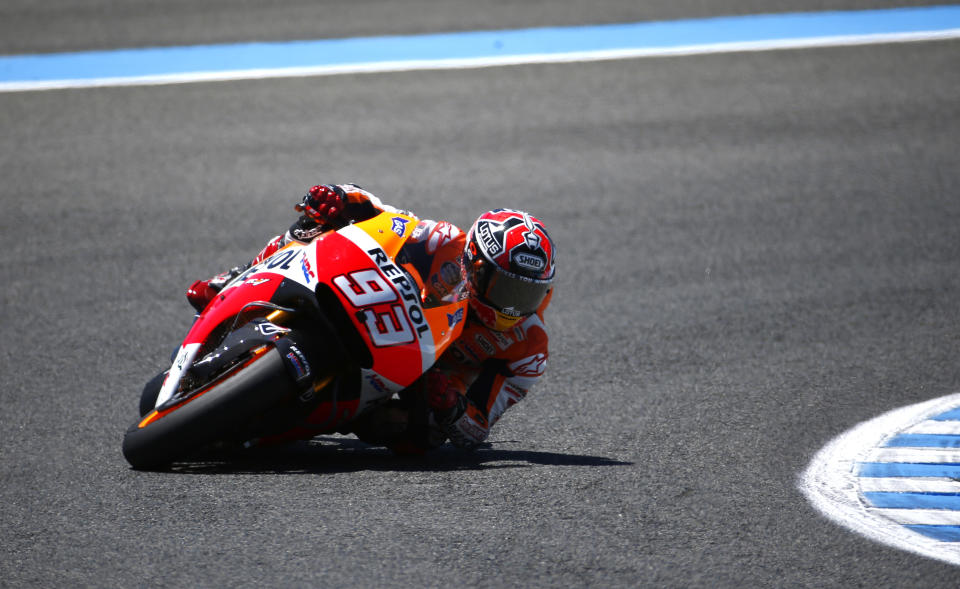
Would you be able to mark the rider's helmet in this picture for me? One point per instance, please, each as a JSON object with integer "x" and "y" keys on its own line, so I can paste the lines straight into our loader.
{"x": 509, "y": 266}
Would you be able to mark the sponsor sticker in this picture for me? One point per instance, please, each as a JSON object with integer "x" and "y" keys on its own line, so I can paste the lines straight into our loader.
{"x": 298, "y": 362}
{"x": 514, "y": 392}
{"x": 473, "y": 426}
{"x": 256, "y": 281}
{"x": 503, "y": 342}
{"x": 532, "y": 262}
{"x": 488, "y": 240}
{"x": 307, "y": 270}
{"x": 485, "y": 345}
{"x": 532, "y": 366}
{"x": 376, "y": 383}
{"x": 454, "y": 318}
{"x": 407, "y": 288}
{"x": 302, "y": 234}
{"x": 418, "y": 232}
{"x": 268, "y": 329}
{"x": 442, "y": 233}
{"x": 399, "y": 225}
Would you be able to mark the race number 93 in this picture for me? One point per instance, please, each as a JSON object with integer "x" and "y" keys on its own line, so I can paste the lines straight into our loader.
{"x": 384, "y": 317}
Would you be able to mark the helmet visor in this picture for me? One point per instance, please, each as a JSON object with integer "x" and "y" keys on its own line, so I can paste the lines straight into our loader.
{"x": 515, "y": 295}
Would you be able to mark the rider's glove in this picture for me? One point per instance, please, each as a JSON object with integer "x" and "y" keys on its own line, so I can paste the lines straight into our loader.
{"x": 443, "y": 396}
{"x": 322, "y": 203}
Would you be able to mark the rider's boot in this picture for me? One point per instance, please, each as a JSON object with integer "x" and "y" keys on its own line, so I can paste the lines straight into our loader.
{"x": 201, "y": 292}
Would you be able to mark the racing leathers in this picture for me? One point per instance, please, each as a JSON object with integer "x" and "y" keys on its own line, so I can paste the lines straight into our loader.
{"x": 481, "y": 375}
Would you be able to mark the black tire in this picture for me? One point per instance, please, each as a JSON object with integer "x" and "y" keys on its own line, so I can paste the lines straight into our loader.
{"x": 151, "y": 390}
{"x": 226, "y": 407}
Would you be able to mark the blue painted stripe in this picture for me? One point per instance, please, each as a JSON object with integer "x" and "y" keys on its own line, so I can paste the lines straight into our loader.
{"x": 491, "y": 44}
{"x": 952, "y": 415}
{"x": 941, "y": 533}
{"x": 913, "y": 500}
{"x": 924, "y": 441}
{"x": 908, "y": 469}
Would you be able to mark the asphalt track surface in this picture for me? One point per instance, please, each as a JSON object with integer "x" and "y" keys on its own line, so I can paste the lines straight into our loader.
{"x": 757, "y": 252}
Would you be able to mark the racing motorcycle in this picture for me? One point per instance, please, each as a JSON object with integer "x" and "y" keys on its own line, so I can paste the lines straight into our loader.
{"x": 308, "y": 340}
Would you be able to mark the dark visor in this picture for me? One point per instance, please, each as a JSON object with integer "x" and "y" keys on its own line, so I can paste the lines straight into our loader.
{"x": 515, "y": 295}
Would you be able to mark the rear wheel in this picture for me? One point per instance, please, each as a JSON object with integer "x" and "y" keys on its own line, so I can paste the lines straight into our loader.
{"x": 211, "y": 415}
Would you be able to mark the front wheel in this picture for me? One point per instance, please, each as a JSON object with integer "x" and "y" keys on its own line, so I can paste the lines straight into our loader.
{"x": 211, "y": 415}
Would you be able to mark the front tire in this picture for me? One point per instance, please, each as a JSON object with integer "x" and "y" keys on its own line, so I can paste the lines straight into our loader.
{"x": 151, "y": 390}
{"x": 227, "y": 406}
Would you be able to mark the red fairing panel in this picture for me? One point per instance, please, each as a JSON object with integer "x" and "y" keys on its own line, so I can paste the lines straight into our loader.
{"x": 259, "y": 287}
{"x": 382, "y": 302}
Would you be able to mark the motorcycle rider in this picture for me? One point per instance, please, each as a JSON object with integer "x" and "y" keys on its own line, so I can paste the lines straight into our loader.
{"x": 504, "y": 265}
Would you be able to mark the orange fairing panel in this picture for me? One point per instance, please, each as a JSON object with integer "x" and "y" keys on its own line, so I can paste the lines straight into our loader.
{"x": 446, "y": 323}
{"x": 390, "y": 231}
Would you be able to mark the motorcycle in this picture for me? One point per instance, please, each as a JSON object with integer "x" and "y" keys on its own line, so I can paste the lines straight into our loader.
{"x": 310, "y": 340}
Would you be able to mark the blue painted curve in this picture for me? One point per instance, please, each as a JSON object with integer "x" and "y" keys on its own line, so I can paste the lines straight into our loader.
{"x": 940, "y": 533}
{"x": 945, "y": 469}
{"x": 924, "y": 440}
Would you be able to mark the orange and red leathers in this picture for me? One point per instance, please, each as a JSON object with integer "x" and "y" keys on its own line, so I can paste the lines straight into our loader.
{"x": 501, "y": 367}
{"x": 497, "y": 367}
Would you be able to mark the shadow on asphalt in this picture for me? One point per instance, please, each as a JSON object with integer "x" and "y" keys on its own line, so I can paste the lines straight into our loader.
{"x": 337, "y": 455}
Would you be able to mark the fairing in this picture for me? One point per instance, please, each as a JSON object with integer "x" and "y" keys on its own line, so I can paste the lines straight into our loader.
{"x": 382, "y": 300}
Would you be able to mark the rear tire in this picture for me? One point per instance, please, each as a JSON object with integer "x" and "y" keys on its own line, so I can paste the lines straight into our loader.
{"x": 226, "y": 407}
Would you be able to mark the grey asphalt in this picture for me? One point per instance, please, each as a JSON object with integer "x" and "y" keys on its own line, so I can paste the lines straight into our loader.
{"x": 757, "y": 252}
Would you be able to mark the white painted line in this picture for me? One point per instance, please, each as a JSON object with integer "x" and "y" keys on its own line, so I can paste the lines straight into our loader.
{"x": 935, "y": 427}
{"x": 918, "y": 455}
{"x": 909, "y": 485}
{"x": 919, "y": 517}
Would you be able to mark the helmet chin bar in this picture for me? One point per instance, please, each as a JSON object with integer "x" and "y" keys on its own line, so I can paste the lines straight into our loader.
{"x": 491, "y": 317}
